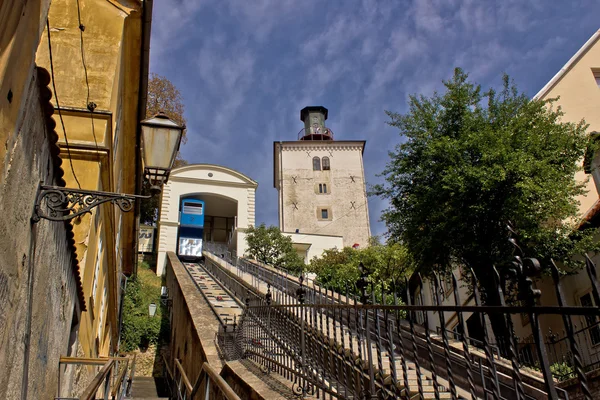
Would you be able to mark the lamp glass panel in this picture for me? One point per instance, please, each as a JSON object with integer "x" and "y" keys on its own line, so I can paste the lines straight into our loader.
{"x": 152, "y": 309}
{"x": 160, "y": 144}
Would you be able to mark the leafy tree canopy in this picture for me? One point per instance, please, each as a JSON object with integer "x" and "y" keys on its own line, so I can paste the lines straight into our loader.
{"x": 162, "y": 96}
{"x": 387, "y": 264}
{"x": 269, "y": 246}
{"x": 470, "y": 162}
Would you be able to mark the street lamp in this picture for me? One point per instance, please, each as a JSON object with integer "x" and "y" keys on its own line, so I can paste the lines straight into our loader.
{"x": 159, "y": 134}
{"x": 152, "y": 309}
{"x": 362, "y": 283}
{"x": 161, "y": 137}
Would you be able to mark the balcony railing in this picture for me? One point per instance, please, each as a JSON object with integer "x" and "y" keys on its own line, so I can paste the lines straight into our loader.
{"x": 321, "y": 134}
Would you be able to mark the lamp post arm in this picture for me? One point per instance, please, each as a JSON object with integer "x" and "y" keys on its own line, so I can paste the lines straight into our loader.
{"x": 64, "y": 204}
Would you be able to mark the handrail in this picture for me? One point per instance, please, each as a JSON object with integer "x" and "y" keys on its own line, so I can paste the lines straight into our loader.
{"x": 207, "y": 373}
{"x": 103, "y": 377}
{"x": 131, "y": 375}
{"x": 186, "y": 381}
{"x": 225, "y": 389}
{"x": 118, "y": 382}
{"x": 90, "y": 391}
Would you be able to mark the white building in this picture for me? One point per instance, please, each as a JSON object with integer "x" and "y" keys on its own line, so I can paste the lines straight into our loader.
{"x": 229, "y": 200}
{"x": 321, "y": 187}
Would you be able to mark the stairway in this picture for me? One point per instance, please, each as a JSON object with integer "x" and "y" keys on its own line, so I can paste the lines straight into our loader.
{"x": 149, "y": 388}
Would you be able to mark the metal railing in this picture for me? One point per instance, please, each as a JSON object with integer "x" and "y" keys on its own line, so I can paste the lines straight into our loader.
{"x": 209, "y": 384}
{"x": 332, "y": 347}
{"x": 320, "y": 134}
{"x": 113, "y": 380}
{"x": 560, "y": 355}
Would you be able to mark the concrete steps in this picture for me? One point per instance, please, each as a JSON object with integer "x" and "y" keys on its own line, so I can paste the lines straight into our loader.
{"x": 149, "y": 388}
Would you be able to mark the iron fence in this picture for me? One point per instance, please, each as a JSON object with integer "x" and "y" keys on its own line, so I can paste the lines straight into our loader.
{"x": 332, "y": 346}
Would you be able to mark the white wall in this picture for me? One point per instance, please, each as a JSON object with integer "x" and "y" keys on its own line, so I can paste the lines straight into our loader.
{"x": 317, "y": 244}
{"x": 300, "y": 200}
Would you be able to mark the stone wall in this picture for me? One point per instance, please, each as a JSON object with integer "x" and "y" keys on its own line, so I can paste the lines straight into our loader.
{"x": 301, "y": 200}
{"x": 39, "y": 280}
{"x": 193, "y": 324}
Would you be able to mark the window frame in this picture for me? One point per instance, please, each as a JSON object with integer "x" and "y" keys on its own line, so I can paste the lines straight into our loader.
{"x": 316, "y": 161}
{"x": 325, "y": 164}
{"x": 320, "y": 210}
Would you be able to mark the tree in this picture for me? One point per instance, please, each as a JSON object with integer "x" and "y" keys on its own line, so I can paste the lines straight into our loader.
{"x": 387, "y": 264}
{"x": 162, "y": 96}
{"x": 270, "y": 246}
{"x": 473, "y": 161}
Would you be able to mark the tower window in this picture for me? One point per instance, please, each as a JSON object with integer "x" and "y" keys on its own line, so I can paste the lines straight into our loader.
{"x": 326, "y": 164}
{"x": 322, "y": 188}
{"x": 316, "y": 164}
{"x": 324, "y": 213}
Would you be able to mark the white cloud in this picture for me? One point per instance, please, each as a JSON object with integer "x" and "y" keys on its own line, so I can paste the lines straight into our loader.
{"x": 246, "y": 68}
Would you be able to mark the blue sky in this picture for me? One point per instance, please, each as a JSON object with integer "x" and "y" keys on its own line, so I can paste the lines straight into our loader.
{"x": 245, "y": 68}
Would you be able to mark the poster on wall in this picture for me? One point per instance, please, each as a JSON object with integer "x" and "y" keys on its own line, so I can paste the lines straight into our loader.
{"x": 146, "y": 239}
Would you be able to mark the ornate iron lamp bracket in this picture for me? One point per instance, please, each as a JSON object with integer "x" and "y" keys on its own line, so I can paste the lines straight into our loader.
{"x": 64, "y": 204}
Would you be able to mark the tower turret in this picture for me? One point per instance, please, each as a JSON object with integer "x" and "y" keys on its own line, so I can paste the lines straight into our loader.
{"x": 314, "y": 124}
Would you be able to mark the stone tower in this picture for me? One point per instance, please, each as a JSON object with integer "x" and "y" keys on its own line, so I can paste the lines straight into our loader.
{"x": 321, "y": 183}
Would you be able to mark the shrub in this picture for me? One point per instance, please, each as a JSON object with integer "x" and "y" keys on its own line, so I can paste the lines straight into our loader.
{"x": 139, "y": 329}
{"x": 562, "y": 371}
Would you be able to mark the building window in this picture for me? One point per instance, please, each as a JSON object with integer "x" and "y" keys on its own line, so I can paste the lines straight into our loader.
{"x": 323, "y": 213}
{"x": 326, "y": 166}
{"x": 322, "y": 188}
{"x": 596, "y": 73}
{"x": 316, "y": 164}
{"x": 591, "y": 320}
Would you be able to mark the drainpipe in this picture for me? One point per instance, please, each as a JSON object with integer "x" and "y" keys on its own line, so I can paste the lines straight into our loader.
{"x": 281, "y": 183}
{"x": 142, "y": 100}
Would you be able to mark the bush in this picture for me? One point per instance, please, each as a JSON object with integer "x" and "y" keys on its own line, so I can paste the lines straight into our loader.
{"x": 139, "y": 329}
{"x": 562, "y": 371}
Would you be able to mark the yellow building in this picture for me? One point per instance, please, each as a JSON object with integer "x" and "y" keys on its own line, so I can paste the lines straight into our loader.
{"x": 96, "y": 51}
{"x": 577, "y": 90}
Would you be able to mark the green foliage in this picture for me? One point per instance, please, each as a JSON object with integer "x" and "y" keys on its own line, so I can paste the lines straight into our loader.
{"x": 562, "y": 371}
{"x": 139, "y": 329}
{"x": 268, "y": 245}
{"x": 471, "y": 161}
{"x": 386, "y": 263}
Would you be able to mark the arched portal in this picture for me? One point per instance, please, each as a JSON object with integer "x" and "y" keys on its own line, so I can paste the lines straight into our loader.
{"x": 220, "y": 216}
{"x": 228, "y": 198}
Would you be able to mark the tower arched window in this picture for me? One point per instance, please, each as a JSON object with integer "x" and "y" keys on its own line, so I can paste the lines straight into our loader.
{"x": 316, "y": 164}
{"x": 326, "y": 166}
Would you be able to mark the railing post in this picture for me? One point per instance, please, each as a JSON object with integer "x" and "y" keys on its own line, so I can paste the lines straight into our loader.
{"x": 463, "y": 337}
{"x": 445, "y": 343}
{"x": 300, "y": 293}
{"x": 570, "y": 336}
{"x": 207, "y": 392}
{"x": 436, "y": 389}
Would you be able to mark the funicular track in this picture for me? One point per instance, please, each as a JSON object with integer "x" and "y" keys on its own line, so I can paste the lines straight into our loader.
{"x": 339, "y": 363}
{"x": 395, "y": 351}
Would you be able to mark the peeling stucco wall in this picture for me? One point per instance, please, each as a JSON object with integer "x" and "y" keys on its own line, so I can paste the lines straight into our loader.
{"x": 54, "y": 286}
